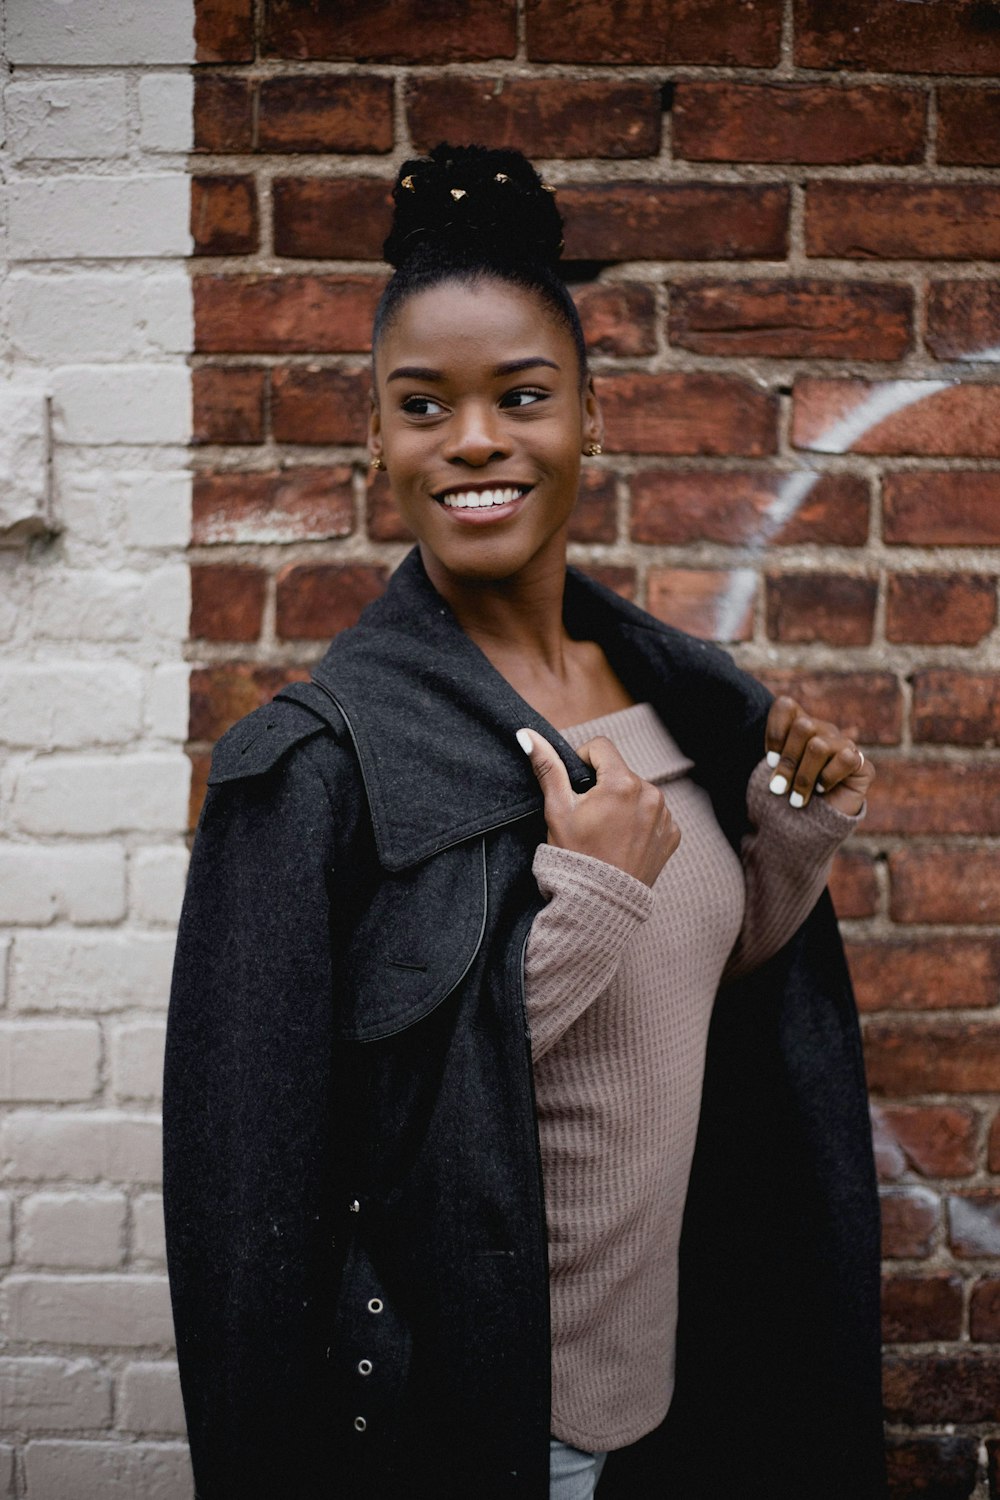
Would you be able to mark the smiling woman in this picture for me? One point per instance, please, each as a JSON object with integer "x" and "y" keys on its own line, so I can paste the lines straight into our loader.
{"x": 505, "y": 938}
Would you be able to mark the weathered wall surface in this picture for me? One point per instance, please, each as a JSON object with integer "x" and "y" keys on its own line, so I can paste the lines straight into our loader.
{"x": 94, "y": 605}
{"x": 795, "y": 325}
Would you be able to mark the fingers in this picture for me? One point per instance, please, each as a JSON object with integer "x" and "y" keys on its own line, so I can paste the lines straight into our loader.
{"x": 604, "y": 759}
{"x": 553, "y": 778}
{"x": 809, "y": 755}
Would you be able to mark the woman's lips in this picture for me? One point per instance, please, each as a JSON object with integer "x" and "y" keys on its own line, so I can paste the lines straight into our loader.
{"x": 481, "y": 506}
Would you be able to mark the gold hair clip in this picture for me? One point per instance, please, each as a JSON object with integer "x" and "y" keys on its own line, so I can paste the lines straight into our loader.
{"x": 457, "y": 193}
{"x": 501, "y": 177}
{"x": 407, "y": 183}
{"x": 547, "y": 187}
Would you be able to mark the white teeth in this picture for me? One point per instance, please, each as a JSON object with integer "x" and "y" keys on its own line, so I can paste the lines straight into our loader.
{"x": 479, "y": 499}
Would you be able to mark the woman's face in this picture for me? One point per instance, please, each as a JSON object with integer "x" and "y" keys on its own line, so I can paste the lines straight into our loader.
{"x": 480, "y": 420}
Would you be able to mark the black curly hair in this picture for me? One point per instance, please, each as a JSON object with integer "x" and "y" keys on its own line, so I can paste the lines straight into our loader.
{"x": 464, "y": 212}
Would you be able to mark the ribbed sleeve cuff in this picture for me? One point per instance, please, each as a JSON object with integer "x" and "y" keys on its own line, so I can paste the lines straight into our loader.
{"x": 817, "y": 824}
{"x": 593, "y": 887}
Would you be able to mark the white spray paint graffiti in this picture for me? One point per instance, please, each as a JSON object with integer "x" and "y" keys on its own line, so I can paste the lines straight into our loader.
{"x": 840, "y": 437}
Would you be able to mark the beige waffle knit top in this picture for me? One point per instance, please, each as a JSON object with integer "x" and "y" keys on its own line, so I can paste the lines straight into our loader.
{"x": 619, "y": 985}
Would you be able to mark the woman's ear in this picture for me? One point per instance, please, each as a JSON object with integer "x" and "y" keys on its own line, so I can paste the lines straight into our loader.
{"x": 374, "y": 433}
{"x": 593, "y": 417}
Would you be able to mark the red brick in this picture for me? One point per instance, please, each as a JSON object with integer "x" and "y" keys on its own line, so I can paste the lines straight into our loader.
{"x": 618, "y": 317}
{"x": 853, "y": 884}
{"x": 318, "y": 218}
{"x": 201, "y": 764}
{"x": 561, "y": 117}
{"x": 325, "y": 113}
{"x": 280, "y": 505}
{"x": 316, "y": 600}
{"x": 960, "y": 37}
{"x": 832, "y": 607}
{"x": 223, "y": 31}
{"x": 935, "y": 797}
{"x": 963, "y": 317}
{"x": 674, "y": 221}
{"x": 938, "y": 1388}
{"x": 974, "y": 1223}
{"x": 866, "y": 705}
{"x": 910, "y": 1217}
{"x": 227, "y": 601}
{"x": 745, "y": 506}
{"x": 993, "y": 1146}
{"x": 312, "y": 404}
{"x": 228, "y": 403}
{"x": 620, "y": 580}
{"x": 958, "y": 708}
{"x": 699, "y": 413}
{"x": 945, "y": 885}
{"x": 946, "y": 508}
{"x": 224, "y": 215}
{"x": 968, "y": 131}
{"x": 798, "y": 122}
{"x": 807, "y": 317}
{"x": 595, "y": 517}
{"x": 926, "y": 973}
{"x": 984, "y": 1311}
{"x": 934, "y": 1468}
{"x": 963, "y": 420}
{"x": 903, "y": 221}
{"x": 221, "y": 695}
{"x": 936, "y": 1140}
{"x": 940, "y": 608}
{"x": 383, "y": 519}
{"x": 284, "y": 314}
{"x": 223, "y": 113}
{"x": 737, "y": 32}
{"x": 930, "y": 1057}
{"x": 697, "y": 600}
{"x": 917, "y": 1309}
{"x": 407, "y": 31}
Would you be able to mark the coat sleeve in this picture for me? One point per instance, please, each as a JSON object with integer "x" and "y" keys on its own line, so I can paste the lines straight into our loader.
{"x": 247, "y": 1106}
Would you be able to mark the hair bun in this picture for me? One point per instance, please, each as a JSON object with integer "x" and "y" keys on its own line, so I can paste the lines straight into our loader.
{"x": 475, "y": 206}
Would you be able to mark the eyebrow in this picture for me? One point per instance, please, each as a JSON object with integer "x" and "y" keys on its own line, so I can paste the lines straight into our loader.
{"x": 509, "y": 367}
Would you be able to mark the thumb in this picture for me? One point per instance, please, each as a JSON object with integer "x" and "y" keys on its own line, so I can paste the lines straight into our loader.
{"x": 553, "y": 777}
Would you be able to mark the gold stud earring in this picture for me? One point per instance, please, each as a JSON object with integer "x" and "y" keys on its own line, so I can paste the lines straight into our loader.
{"x": 593, "y": 449}
{"x": 376, "y": 462}
{"x": 407, "y": 183}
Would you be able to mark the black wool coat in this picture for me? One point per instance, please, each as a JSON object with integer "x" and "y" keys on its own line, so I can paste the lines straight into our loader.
{"x": 355, "y": 1220}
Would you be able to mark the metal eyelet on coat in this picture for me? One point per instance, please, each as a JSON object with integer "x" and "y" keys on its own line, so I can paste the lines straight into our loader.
{"x": 365, "y": 1367}
{"x": 376, "y": 1305}
{"x": 360, "y": 1424}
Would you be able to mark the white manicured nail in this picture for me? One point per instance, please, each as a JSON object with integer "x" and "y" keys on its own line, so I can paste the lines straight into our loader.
{"x": 797, "y": 800}
{"x": 773, "y": 758}
{"x": 778, "y": 785}
{"x": 525, "y": 741}
{"x": 821, "y": 788}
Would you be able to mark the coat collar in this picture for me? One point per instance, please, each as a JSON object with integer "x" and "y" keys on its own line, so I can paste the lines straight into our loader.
{"x": 433, "y": 722}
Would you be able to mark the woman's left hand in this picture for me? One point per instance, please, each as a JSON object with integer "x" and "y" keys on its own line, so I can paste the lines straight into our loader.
{"x": 808, "y": 755}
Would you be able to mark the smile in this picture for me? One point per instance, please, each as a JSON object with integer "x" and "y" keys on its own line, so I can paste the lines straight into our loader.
{"x": 482, "y": 499}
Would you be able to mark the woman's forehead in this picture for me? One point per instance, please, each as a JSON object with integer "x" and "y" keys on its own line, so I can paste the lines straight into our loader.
{"x": 484, "y": 321}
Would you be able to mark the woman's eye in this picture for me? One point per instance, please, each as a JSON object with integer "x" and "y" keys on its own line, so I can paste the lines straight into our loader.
{"x": 422, "y": 406}
{"x": 523, "y": 397}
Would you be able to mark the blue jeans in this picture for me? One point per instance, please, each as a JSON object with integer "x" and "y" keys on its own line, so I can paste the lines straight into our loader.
{"x": 573, "y": 1474}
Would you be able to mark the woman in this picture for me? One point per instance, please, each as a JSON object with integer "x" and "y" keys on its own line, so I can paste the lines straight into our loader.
{"x": 440, "y": 1025}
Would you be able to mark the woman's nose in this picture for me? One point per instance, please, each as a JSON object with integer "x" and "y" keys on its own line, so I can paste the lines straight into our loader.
{"x": 475, "y": 435}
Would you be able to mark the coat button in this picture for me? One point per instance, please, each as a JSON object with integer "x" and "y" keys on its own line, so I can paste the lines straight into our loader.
{"x": 376, "y": 1305}
{"x": 365, "y": 1367}
{"x": 360, "y": 1424}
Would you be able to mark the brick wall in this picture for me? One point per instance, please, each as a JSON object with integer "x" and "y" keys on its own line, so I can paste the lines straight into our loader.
{"x": 94, "y": 604}
{"x": 786, "y": 219}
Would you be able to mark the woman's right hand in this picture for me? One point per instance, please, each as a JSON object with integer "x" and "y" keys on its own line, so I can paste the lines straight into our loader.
{"x": 623, "y": 820}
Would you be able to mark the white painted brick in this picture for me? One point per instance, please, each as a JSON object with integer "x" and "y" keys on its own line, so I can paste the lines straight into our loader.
{"x": 61, "y": 218}
{"x": 168, "y": 602}
{"x": 67, "y": 118}
{"x": 166, "y": 109}
{"x": 157, "y": 879}
{"x": 94, "y": 971}
{"x": 91, "y": 605}
{"x": 53, "y": 1394}
{"x": 52, "y": 1060}
{"x": 82, "y": 316}
{"x": 124, "y": 1311}
{"x": 6, "y": 1470}
{"x": 64, "y": 1470}
{"x": 24, "y": 461}
{"x": 39, "y": 883}
{"x": 151, "y": 1398}
{"x": 137, "y": 1060}
{"x": 38, "y": 1145}
{"x": 6, "y": 945}
{"x": 158, "y": 509}
{"x": 6, "y": 1229}
{"x": 101, "y": 404}
{"x": 150, "y": 1238}
{"x": 79, "y": 794}
{"x": 79, "y": 1231}
{"x": 85, "y": 33}
{"x": 168, "y": 701}
{"x": 62, "y": 705}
